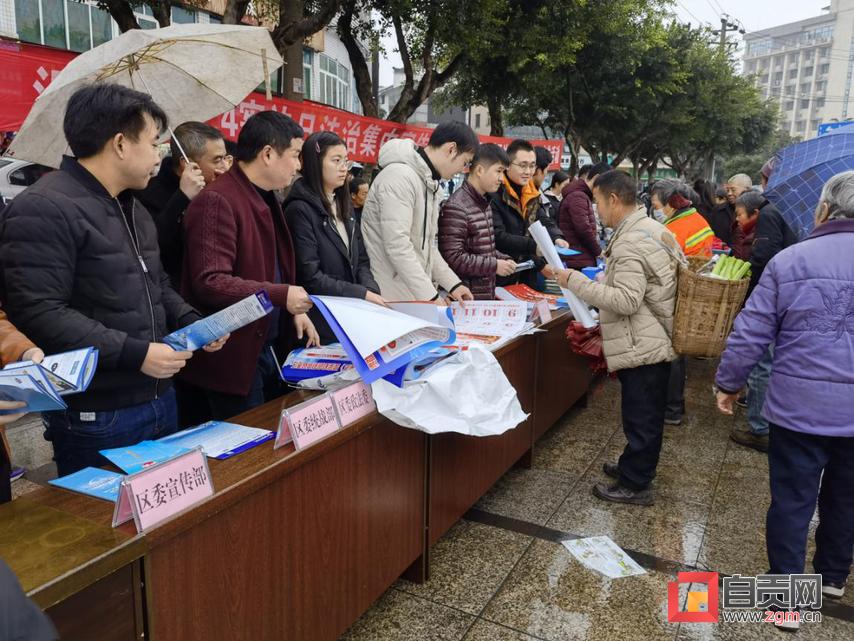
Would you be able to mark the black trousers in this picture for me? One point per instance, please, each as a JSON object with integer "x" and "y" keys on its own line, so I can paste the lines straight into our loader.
{"x": 805, "y": 469}
{"x": 643, "y": 404}
{"x": 676, "y": 389}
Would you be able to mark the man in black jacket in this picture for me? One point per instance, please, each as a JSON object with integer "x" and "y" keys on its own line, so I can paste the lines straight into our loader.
{"x": 81, "y": 267}
{"x": 515, "y": 206}
{"x": 169, "y": 193}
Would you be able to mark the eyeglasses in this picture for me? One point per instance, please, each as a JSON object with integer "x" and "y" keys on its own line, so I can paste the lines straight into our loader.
{"x": 342, "y": 162}
{"x": 525, "y": 166}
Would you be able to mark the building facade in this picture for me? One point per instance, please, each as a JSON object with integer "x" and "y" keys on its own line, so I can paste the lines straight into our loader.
{"x": 807, "y": 68}
{"x": 79, "y": 26}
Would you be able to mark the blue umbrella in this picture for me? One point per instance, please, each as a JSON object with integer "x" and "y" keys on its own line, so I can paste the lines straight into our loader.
{"x": 800, "y": 173}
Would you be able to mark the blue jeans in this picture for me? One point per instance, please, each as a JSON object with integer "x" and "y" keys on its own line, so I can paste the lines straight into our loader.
{"x": 758, "y": 383}
{"x": 805, "y": 468}
{"x": 76, "y": 442}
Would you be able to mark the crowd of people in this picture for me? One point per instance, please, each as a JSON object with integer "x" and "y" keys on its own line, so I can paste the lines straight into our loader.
{"x": 100, "y": 253}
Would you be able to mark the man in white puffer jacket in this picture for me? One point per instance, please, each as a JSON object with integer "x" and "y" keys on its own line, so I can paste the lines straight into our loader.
{"x": 401, "y": 213}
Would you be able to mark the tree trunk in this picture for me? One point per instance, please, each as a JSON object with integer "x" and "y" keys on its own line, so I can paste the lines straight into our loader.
{"x": 235, "y": 10}
{"x": 290, "y": 13}
{"x": 496, "y": 118}
{"x": 653, "y": 169}
{"x": 122, "y": 13}
{"x": 162, "y": 10}
{"x": 364, "y": 82}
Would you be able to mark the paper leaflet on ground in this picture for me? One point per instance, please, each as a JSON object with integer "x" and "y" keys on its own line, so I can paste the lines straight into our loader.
{"x": 490, "y": 323}
{"x": 580, "y": 311}
{"x": 218, "y": 439}
{"x": 40, "y": 386}
{"x": 379, "y": 340}
{"x": 213, "y": 327}
{"x": 92, "y": 481}
{"x": 467, "y": 393}
{"x": 600, "y": 553}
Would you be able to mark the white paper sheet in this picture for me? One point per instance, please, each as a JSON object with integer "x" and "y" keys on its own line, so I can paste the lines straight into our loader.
{"x": 490, "y": 317}
{"x": 467, "y": 393}
{"x": 600, "y": 553}
{"x": 371, "y": 326}
{"x": 580, "y": 311}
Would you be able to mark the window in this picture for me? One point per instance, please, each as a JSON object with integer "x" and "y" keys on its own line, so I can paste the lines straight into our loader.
{"x": 820, "y": 86}
{"x": 307, "y": 61}
{"x": 27, "y": 19}
{"x": 824, "y": 69}
{"x": 79, "y": 34}
{"x": 805, "y": 104}
{"x": 334, "y": 83}
{"x": 805, "y": 88}
{"x": 146, "y": 24}
{"x": 212, "y": 19}
{"x": 477, "y": 121}
{"x": 183, "y": 16}
{"x": 102, "y": 28}
{"x": 801, "y": 125}
{"x": 819, "y": 102}
{"x": 808, "y": 71}
{"x": 793, "y": 73}
{"x": 53, "y": 14}
{"x": 778, "y": 76}
{"x": 790, "y": 104}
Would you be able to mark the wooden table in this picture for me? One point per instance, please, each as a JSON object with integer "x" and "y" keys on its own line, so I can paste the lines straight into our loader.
{"x": 84, "y": 573}
{"x": 563, "y": 377}
{"x": 293, "y": 545}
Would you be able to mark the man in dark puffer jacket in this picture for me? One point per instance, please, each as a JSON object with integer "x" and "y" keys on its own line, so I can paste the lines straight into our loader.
{"x": 81, "y": 267}
{"x": 466, "y": 234}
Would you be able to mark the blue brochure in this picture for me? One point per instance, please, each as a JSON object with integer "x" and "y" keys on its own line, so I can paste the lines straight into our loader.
{"x": 219, "y": 440}
{"x": 102, "y": 484}
{"x": 135, "y": 458}
{"x": 204, "y": 331}
{"x": 32, "y": 388}
{"x": 40, "y": 386}
{"x": 313, "y": 362}
{"x": 566, "y": 251}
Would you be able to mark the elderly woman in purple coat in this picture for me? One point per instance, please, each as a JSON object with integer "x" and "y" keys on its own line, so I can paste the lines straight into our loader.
{"x": 804, "y": 306}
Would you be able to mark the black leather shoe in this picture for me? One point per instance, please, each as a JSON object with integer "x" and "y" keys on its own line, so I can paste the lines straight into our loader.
{"x": 611, "y": 469}
{"x": 617, "y": 493}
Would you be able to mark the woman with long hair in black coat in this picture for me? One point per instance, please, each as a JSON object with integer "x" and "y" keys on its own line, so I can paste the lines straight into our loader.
{"x": 330, "y": 254}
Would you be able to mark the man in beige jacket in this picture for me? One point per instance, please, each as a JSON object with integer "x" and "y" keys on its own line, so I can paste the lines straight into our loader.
{"x": 636, "y": 303}
{"x": 401, "y": 214}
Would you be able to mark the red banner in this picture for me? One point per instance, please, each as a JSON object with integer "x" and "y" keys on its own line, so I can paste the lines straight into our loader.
{"x": 364, "y": 136}
{"x": 26, "y": 70}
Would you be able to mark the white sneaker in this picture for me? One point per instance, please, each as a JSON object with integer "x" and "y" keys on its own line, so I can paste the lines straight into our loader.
{"x": 833, "y": 590}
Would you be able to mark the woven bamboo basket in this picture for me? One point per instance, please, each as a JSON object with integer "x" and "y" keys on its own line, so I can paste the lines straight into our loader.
{"x": 705, "y": 310}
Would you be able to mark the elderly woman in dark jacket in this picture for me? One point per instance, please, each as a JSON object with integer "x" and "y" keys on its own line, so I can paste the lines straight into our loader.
{"x": 330, "y": 254}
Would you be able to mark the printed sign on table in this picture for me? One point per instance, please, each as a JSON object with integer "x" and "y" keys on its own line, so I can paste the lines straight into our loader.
{"x": 353, "y": 402}
{"x": 308, "y": 422}
{"x": 155, "y": 494}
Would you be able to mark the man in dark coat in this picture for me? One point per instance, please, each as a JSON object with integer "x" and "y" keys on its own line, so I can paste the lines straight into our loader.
{"x": 466, "y": 235}
{"x": 515, "y": 207}
{"x": 81, "y": 268}
{"x": 236, "y": 242}
{"x": 578, "y": 221}
{"x": 169, "y": 193}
